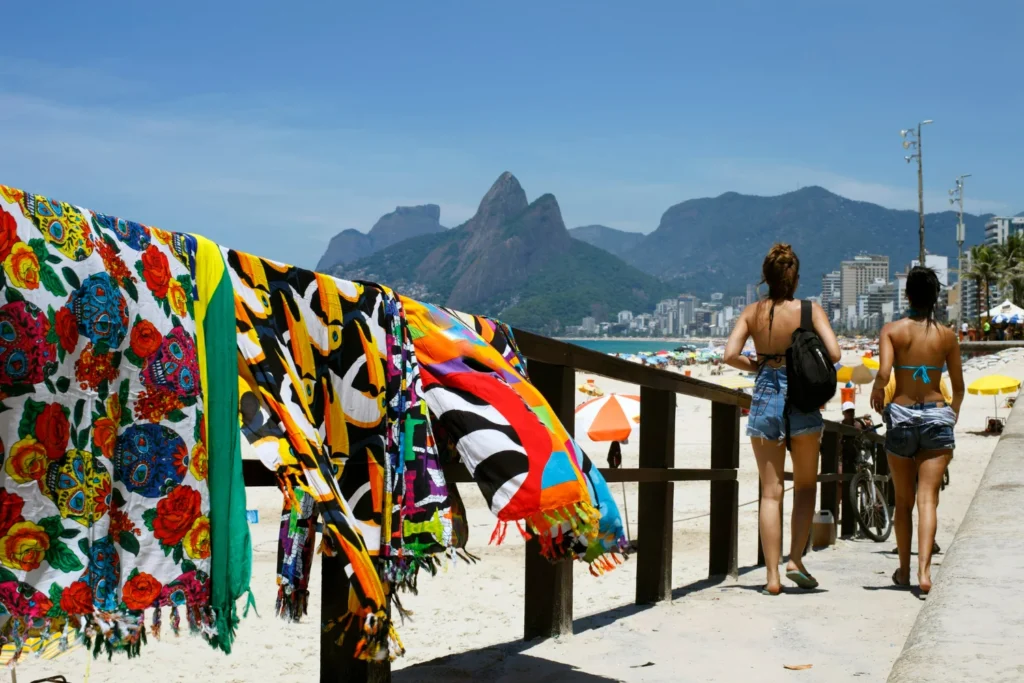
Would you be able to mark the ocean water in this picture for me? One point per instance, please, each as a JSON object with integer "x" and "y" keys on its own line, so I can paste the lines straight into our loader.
{"x": 629, "y": 345}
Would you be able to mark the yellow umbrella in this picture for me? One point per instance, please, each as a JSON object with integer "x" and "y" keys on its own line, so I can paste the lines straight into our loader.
{"x": 993, "y": 385}
{"x": 870, "y": 363}
{"x": 844, "y": 374}
{"x": 735, "y": 382}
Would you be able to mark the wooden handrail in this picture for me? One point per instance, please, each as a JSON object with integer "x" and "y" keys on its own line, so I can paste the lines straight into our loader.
{"x": 548, "y": 587}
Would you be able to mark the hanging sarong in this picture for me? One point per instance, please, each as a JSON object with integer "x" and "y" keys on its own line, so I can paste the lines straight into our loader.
{"x": 611, "y": 539}
{"x": 231, "y": 556}
{"x": 519, "y": 454}
{"x": 104, "y": 510}
{"x": 330, "y": 363}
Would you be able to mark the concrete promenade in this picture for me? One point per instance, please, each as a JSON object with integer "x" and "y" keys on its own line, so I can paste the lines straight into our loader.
{"x": 972, "y": 626}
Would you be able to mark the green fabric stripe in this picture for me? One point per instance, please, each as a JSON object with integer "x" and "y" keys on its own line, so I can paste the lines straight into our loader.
{"x": 231, "y": 554}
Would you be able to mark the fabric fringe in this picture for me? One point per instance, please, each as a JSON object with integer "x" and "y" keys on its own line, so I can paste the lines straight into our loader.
{"x": 105, "y": 632}
{"x": 291, "y": 604}
{"x": 402, "y": 573}
{"x": 377, "y": 640}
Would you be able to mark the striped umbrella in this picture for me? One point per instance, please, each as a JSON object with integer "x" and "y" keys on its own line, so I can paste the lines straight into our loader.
{"x": 612, "y": 417}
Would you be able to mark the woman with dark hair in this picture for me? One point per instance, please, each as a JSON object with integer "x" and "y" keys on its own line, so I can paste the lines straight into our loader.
{"x": 771, "y": 322}
{"x": 919, "y": 421}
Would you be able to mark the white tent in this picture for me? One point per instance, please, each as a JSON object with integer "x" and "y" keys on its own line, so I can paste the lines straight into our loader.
{"x": 1006, "y": 308}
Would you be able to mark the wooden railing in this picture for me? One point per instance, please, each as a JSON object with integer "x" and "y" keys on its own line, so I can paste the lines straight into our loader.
{"x": 549, "y": 586}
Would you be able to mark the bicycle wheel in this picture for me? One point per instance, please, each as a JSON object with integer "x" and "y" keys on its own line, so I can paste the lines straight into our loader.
{"x": 870, "y": 506}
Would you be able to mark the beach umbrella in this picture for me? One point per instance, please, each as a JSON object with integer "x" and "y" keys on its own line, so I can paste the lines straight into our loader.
{"x": 993, "y": 385}
{"x": 591, "y": 389}
{"x": 862, "y": 374}
{"x": 870, "y": 363}
{"x": 735, "y": 382}
{"x": 612, "y": 417}
{"x": 1000, "y": 319}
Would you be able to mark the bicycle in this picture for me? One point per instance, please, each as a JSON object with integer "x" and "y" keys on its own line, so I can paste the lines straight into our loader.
{"x": 869, "y": 494}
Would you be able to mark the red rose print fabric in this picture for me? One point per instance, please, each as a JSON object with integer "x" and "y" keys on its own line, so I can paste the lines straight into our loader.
{"x": 104, "y": 508}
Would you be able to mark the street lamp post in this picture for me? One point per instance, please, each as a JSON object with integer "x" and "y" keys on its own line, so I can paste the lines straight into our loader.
{"x": 914, "y": 142}
{"x": 956, "y": 196}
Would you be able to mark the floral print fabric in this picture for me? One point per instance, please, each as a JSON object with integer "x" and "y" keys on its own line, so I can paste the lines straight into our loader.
{"x": 104, "y": 507}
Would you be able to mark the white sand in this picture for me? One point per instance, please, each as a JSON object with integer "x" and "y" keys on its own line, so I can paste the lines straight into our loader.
{"x": 472, "y": 616}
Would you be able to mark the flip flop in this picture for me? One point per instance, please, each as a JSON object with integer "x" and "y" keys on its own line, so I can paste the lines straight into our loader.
{"x": 805, "y": 581}
{"x": 765, "y": 591}
{"x": 896, "y": 579}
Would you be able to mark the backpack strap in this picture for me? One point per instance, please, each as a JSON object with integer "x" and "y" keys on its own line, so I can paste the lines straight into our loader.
{"x": 806, "y": 316}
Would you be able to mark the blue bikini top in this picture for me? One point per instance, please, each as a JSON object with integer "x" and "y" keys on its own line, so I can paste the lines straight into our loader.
{"x": 920, "y": 371}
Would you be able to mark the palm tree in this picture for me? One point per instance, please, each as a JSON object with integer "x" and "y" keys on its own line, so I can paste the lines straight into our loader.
{"x": 984, "y": 269}
{"x": 1010, "y": 266}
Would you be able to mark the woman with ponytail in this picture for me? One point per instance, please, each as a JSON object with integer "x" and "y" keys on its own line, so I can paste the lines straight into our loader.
{"x": 919, "y": 420}
{"x": 771, "y": 322}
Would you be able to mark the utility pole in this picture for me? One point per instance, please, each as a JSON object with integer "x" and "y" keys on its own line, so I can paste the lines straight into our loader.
{"x": 956, "y": 195}
{"x": 914, "y": 142}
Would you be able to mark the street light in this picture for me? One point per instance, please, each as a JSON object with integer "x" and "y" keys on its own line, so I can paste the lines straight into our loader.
{"x": 912, "y": 140}
{"x": 956, "y": 196}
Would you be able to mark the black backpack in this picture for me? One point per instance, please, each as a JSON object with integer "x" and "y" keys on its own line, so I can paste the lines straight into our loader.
{"x": 810, "y": 373}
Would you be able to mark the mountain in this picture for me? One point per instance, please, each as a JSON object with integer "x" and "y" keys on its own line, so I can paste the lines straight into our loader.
{"x": 513, "y": 259}
{"x": 720, "y": 242}
{"x": 611, "y": 240}
{"x": 401, "y": 224}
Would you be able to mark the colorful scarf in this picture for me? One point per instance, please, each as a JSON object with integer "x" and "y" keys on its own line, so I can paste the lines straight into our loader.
{"x": 519, "y": 454}
{"x": 104, "y": 510}
{"x": 611, "y": 539}
{"x": 231, "y": 556}
{"x": 333, "y": 368}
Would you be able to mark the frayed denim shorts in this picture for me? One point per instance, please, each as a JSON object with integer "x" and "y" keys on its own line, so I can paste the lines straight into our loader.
{"x": 920, "y": 427}
{"x": 767, "y": 420}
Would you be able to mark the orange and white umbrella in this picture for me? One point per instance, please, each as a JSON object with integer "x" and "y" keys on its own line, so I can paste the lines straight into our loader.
{"x": 609, "y": 418}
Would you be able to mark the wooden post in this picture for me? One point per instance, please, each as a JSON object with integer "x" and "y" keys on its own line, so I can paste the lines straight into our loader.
{"x": 830, "y": 449}
{"x": 338, "y": 663}
{"x": 725, "y": 454}
{"x": 548, "y": 606}
{"x": 849, "y": 519}
{"x": 654, "y": 516}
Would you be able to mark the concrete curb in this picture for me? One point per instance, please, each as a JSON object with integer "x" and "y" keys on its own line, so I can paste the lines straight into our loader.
{"x": 972, "y": 625}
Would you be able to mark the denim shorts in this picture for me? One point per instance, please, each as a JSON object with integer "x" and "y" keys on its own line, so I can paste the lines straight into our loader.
{"x": 922, "y": 433}
{"x": 766, "y": 419}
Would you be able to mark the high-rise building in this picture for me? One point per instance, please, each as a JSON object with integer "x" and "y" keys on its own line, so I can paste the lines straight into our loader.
{"x": 589, "y": 325}
{"x": 717, "y": 296}
{"x": 998, "y": 229}
{"x": 625, "y": 317}
{"x": 859, "y": 272}
{"x": 687, "y": 306}
{"x": 831, "y": 292}
{"x": 738, "y": 302}
{"x": 751, "y": 293}
{"x": 940, "y": 264}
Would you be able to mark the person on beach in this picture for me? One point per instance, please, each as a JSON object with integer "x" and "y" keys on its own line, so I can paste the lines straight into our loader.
{"x": 919, "y": 421}
{"x": 771, "y": 322}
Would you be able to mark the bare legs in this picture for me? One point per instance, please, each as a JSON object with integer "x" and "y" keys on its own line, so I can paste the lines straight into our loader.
{"x": 771, "y": 460}
{"x": 930, "y": 469}
{"x": 805, "y": 490}
{"x": 904, "y": 478}
{"x": 925, "y": 473}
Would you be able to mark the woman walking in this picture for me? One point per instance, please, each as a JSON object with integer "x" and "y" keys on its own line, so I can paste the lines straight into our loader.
{"x": 919, "y": 421}
{"x": 771, "y": 322}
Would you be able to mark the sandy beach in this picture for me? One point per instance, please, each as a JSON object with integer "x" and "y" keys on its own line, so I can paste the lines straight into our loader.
{"x": 468, "y": 621}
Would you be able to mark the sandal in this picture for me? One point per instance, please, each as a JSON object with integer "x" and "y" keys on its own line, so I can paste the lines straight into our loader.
{"x": 896, "y": 579}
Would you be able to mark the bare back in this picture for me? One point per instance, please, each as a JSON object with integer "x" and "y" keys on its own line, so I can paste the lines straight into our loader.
{"x": 919, "y": 350}
{"x": 771, "y": 344}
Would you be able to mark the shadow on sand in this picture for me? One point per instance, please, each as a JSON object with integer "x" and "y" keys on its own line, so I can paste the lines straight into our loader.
{"x": 505, "y": 663}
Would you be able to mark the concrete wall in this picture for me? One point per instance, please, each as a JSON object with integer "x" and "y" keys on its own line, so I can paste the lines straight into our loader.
{"x": 972, "y": 625}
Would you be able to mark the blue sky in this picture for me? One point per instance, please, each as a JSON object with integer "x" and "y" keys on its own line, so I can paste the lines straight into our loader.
{"x": 270, "y": 126}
